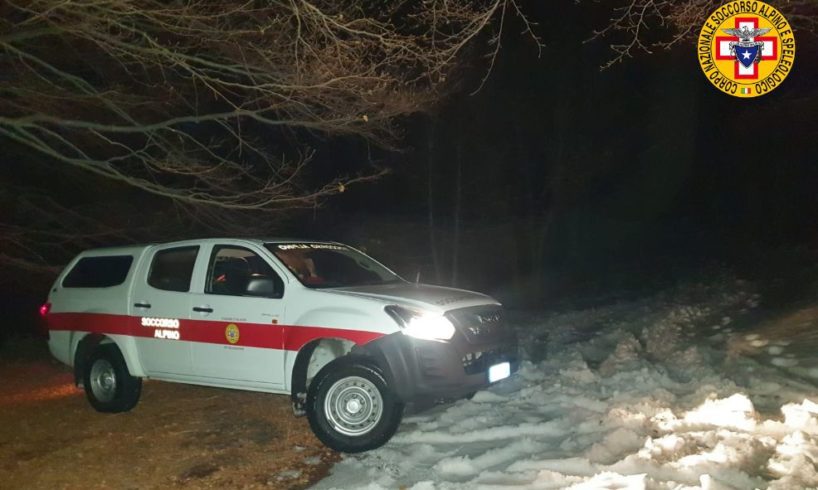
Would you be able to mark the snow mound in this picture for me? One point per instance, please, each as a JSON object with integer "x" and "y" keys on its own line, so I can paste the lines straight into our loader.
{"x": 636, "y": 395}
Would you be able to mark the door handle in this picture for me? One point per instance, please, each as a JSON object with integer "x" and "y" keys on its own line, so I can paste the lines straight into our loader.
{"x": 203, "y": 309}
{"x": 142, "y": 305}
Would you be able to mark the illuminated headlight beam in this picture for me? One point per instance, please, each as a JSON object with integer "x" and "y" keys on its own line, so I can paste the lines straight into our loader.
{"x": 422, "y": 325}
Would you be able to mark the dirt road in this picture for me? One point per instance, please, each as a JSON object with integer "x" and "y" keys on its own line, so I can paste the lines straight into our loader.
{"x": 178, "y": 436}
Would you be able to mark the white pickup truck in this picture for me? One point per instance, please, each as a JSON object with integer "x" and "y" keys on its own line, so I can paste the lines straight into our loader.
{"x": 348, "y": 339}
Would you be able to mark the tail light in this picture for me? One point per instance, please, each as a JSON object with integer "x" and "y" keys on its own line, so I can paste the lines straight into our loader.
{"x": 44, "y": 310}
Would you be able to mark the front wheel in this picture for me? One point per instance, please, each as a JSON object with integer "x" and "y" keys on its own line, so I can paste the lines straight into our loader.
{"x": 109, "y": 386}
{"x": 350, "y": 407}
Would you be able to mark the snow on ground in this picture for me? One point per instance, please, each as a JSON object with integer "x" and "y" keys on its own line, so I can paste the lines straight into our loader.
{"x": 659, "y": 393}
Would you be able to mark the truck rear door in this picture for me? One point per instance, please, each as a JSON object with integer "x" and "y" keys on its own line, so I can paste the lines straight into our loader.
{"x": 160, "y": 310}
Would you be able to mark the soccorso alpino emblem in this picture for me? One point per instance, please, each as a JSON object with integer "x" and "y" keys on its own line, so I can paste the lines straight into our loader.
{"x": 746, "y": 48}
{"x": 231, "y": 333}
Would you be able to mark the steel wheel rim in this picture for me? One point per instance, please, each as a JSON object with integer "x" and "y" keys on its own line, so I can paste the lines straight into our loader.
{"x": 103, "y": 380}
{"x": 353, "y": 406}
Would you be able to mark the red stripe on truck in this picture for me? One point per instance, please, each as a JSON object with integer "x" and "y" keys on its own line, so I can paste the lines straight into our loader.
{"x": 91, "y": 322}
{"x": 286, "y": 337}
{"x": 295, "y": 337}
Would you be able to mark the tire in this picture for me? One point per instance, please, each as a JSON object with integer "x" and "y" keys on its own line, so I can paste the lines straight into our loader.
{"x": 350, "y": 407}
{"x": 109, "y": 386}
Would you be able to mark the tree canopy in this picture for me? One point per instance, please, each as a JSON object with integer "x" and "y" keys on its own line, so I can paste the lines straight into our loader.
{"x": 212, "y": 103}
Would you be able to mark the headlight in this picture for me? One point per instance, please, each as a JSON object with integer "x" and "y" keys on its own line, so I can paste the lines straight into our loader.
{"x": 421, "y": 325}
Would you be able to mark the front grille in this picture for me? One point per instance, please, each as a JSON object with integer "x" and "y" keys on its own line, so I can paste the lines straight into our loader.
{"x": 478, "y": 362}
{"x": 480, "y": 323}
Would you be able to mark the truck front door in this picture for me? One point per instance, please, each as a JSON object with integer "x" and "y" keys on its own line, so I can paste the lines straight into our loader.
{"x": 239, "y": 309}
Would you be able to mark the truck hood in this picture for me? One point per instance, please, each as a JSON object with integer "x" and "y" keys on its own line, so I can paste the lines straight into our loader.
{"x": 436, "y": 298}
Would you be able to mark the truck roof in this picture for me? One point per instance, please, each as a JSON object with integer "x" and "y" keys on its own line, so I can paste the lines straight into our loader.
{"x": 119, "y": 249}
{"x": 140, "y": 247}
{"x": 291, "y": 240}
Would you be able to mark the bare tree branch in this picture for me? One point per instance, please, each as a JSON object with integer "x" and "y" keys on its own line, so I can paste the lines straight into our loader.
{"x": 171, "y": 97}
{"x": 646, "y": 25}
{"x": 211, "y": 104}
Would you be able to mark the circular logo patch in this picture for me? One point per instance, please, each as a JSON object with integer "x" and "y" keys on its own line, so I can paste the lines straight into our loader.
{"x": 746, "y": 48}
{"x": 231, "y": 333}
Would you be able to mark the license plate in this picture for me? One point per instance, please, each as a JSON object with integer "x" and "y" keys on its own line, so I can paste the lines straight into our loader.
{"x": 499, "y": 371}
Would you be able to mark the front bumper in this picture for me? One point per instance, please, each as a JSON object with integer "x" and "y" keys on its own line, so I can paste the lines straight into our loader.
{"x": 425, "y": 369}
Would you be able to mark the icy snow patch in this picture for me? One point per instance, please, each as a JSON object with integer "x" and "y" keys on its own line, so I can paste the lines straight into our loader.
{"x": 627, "y": 399}
{"x": 784, "y": 362}
{"x": 775, "y": 350}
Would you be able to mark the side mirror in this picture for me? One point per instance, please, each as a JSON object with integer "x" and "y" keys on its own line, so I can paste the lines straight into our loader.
{"x": 263, "y": 287}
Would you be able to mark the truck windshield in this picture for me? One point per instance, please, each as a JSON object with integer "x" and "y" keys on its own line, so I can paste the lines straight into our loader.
{"x": 331, "y": 265}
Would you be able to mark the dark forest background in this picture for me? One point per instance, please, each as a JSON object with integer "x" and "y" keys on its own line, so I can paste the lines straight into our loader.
{"x": 559, "y": 179}
{"x": 556, "y": 179}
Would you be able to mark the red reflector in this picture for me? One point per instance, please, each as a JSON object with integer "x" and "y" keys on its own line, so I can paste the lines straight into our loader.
{"x": 44, "y": 310}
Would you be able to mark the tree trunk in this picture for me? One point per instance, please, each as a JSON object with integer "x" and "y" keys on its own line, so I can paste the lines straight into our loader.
{"x": 458, "y": 190}
{"x": 430, "y": 198}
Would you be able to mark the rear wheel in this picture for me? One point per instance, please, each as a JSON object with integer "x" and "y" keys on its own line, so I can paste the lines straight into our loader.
{"x": 351, "y": 408}
{"x": 108, "y": 385}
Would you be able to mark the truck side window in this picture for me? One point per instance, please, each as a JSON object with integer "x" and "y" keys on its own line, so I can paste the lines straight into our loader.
{"x": 99, "y": 272}
{"x": 172, "y": 268}
{"x": 237, "y": 271}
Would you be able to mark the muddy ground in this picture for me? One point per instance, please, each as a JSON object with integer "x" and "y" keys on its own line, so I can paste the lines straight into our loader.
{"x": 177, "y": 436}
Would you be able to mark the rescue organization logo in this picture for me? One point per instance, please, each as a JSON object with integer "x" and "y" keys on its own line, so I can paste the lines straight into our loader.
{"x": 746, "y": 48}
{"x": 231, "y": 333}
